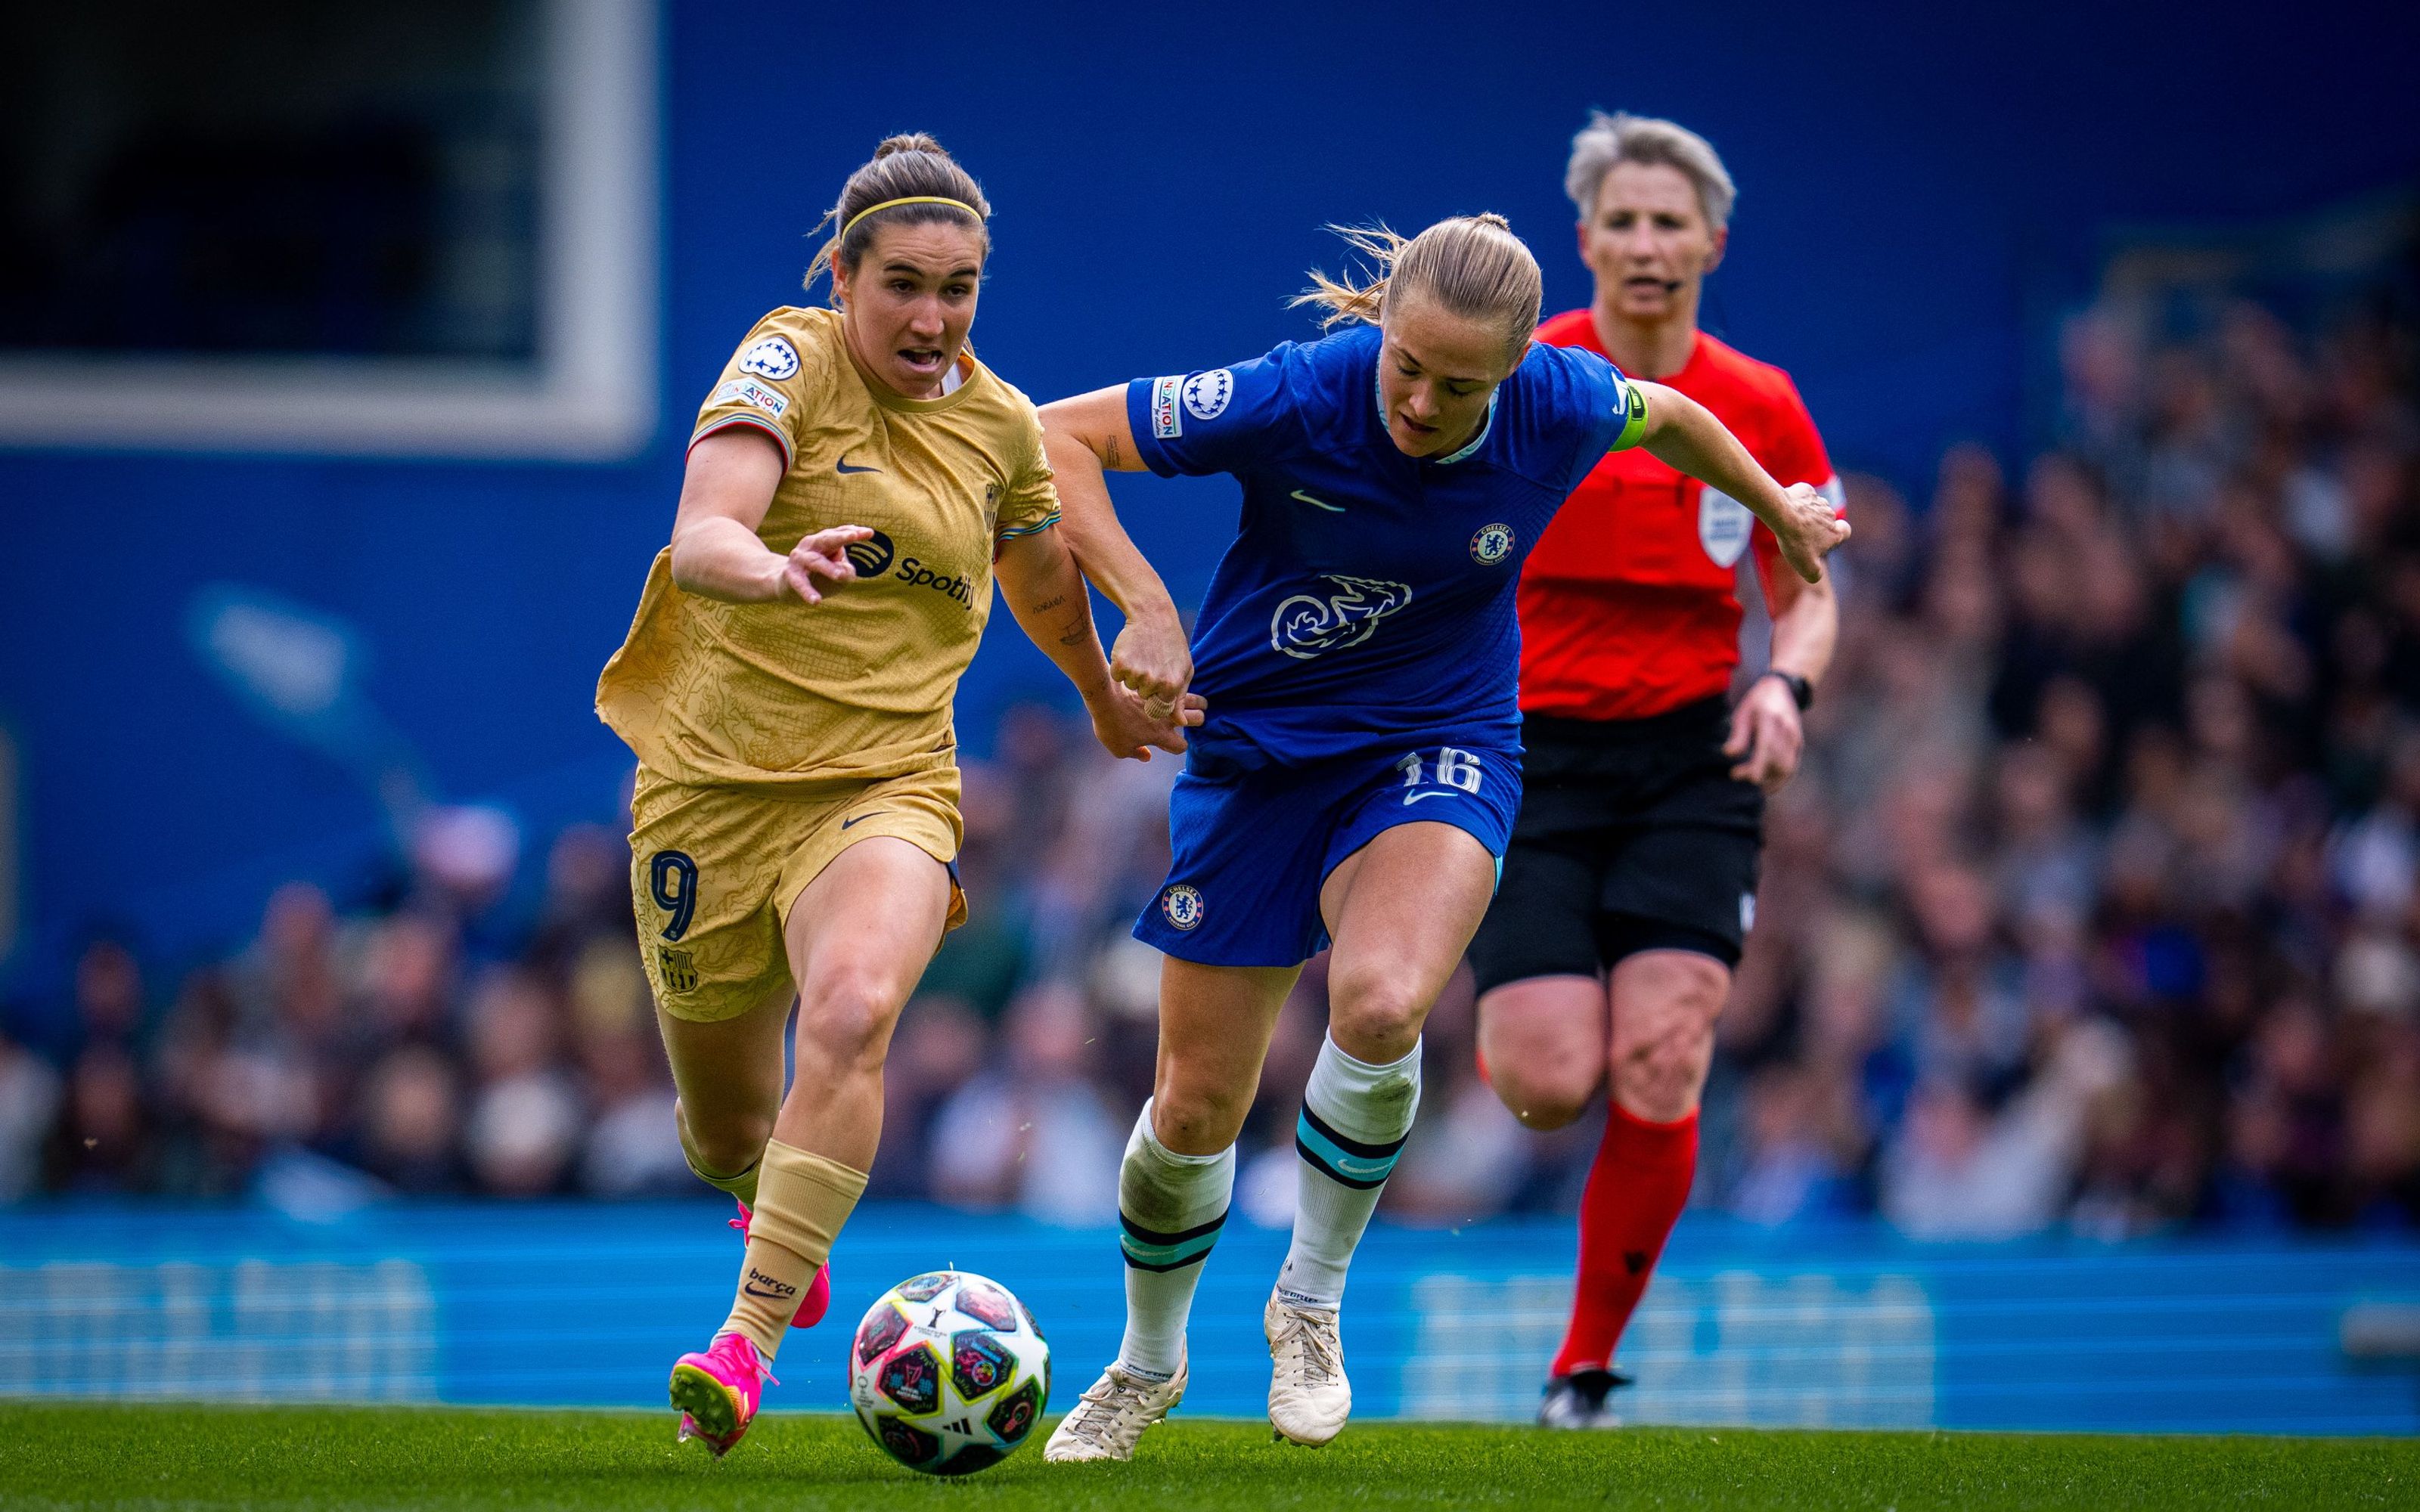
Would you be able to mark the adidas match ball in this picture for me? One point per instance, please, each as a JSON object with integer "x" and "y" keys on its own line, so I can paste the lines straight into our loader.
{"x": 948, "y": 1373}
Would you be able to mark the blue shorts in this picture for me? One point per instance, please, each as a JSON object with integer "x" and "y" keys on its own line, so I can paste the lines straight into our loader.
{"x": 1252, "y": 848}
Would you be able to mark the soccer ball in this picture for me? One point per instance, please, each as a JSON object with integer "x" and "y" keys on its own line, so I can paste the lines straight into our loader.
{"x": 948, "y": 1373}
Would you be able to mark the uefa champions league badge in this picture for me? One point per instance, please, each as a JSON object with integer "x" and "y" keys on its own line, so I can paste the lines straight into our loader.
{"x": 1182, "y": 904}
{"x": 1492, "y": 544}
{"x": 773, "y": 357}
{"x": 1206, "y": 394}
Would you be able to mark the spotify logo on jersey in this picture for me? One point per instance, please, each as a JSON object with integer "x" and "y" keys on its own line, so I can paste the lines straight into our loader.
{"x": 873, "y": 558}
{"x": 952, "y": 586}
{"x": 870, "y": 557}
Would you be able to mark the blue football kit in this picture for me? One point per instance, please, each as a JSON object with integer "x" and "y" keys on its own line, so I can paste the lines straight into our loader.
{"x": 1358, "y": 646}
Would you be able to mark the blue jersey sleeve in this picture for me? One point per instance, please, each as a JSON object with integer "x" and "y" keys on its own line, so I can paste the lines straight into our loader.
{"x": 1612, "y": 411}
{"x": 1221, "y": 420}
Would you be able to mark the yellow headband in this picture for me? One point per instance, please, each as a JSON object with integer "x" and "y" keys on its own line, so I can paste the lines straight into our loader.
{"x": 911, "y": 199}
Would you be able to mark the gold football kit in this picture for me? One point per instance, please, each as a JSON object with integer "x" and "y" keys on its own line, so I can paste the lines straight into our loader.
{"x": 773, "y": 737}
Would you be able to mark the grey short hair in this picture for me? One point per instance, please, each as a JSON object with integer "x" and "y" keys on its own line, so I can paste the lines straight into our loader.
{"x": 1606, "y": 140}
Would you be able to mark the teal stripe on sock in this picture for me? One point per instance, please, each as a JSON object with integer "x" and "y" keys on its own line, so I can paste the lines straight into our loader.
{"x": 1157, "y": 1256}
{"x": 1356, "y": 1170}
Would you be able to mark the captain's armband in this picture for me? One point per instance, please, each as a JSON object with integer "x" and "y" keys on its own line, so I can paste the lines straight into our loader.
{"x": 1634, "y": 417}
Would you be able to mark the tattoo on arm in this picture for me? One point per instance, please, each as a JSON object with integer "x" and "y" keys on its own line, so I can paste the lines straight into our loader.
{"x": 1076, "y": 636}
{"x": 1111, "y": 456}
{"x": 1048, "y": 604}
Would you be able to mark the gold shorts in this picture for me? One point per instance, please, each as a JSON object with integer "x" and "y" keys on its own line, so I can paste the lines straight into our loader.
{"x": 714, "y": 870}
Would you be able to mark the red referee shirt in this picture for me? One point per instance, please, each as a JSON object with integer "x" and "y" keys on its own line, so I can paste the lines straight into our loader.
{"x": 1628, "y": 606}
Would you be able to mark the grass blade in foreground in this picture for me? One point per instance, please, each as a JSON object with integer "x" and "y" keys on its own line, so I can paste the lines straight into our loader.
{"x": 83, "y": 1454}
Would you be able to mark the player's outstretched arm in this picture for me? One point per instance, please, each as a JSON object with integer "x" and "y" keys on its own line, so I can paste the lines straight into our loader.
{"x": 1681, "y": 433}
{"x": 725, "y": 494}
{"x": 1047, "y": 593}
{"x": 1086, "y": 437}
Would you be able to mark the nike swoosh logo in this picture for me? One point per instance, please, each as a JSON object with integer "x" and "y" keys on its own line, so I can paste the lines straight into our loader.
{"x": 1319, "y": 503}
{"x": 1432, "y": 792}
{"x": 754, "y": 1291}
{"x": 841, "y": 466}
{"x": 860, "y": 818}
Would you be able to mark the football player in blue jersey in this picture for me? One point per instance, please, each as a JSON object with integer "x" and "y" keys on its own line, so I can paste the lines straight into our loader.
{"x": 1356, "y": 777}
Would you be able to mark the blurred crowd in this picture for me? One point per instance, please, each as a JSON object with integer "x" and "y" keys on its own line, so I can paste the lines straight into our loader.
{"x": 2093, "y": 908}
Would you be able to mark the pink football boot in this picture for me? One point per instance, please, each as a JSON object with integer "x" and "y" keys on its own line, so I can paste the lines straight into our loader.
{"x": 717, "y": 1392}
{"x": 819, "y": 1298}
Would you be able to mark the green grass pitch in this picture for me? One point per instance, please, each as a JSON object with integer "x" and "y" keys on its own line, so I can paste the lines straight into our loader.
{"x": 155, "y": 1458}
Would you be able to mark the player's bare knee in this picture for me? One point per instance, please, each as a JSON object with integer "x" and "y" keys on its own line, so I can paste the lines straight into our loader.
{"x": 1543, "y": 1096}
{"x": 1196, "y": 1121}
{"x": 844, "y": 1016}
{"x": 1659, "y": 1077}
{"x": 1375, "y": 1015}
{"x": 728, "y": 1143}
{"x": 1545, "y": 1113}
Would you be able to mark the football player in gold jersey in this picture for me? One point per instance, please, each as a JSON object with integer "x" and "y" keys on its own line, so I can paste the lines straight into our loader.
{"x": 855, "y": 481}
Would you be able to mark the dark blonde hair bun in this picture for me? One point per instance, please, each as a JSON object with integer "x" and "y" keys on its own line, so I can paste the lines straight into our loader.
{"x": 912, "y": 166}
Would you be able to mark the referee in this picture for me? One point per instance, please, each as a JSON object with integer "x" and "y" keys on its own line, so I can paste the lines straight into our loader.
{"x": 1630, "y": 886}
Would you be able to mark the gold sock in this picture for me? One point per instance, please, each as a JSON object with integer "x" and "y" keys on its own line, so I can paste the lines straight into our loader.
{"x": 742, "y": 1186}
{"x": 803, "y": 1200}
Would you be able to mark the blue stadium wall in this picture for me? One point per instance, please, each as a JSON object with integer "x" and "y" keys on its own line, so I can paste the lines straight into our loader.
{"x": 1914, "y": 179}
{"x": 589, "y": 1304}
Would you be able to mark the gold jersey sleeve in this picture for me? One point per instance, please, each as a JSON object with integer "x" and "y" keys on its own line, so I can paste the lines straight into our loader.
{"x": 772, "y": 383}
{"x": 1031, "y": 502}
{"x": 797, "y": 699}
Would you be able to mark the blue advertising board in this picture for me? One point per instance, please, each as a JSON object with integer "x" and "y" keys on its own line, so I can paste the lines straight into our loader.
{"x": 1847, "y": 1328}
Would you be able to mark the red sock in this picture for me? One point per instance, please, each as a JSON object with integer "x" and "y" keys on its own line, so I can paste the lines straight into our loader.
{"x": 1636, "y": 1190}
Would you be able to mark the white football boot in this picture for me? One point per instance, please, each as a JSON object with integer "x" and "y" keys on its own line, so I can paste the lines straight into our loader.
{"x": 1309, "y": 1396}
{"x": 1109, "y": 1418}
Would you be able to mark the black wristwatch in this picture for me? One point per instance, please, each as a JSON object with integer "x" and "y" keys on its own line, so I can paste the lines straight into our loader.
{"x": 1802, "y": 692}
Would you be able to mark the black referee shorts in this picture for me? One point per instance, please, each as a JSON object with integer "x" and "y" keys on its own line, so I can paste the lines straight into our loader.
{"x": 1633, "y": 835}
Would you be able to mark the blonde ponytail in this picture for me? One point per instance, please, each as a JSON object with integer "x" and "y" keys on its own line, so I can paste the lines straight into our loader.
{"x": 1472, "y": 266}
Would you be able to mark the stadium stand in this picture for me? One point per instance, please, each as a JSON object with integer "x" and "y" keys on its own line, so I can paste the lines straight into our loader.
{"x": 2094, "y": 909}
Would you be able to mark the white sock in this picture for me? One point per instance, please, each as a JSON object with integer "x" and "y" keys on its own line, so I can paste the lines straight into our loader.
{"x": 1169, "y": 1207}
{"x": 1355, "y": 1117}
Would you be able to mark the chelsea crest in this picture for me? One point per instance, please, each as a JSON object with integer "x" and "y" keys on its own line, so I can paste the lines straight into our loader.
{"x": 1492, "y": 544}
{"x": 1182, "y": 904}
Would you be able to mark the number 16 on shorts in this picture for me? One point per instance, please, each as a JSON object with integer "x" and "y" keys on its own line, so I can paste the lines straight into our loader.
{"x": 1452, "y": 770}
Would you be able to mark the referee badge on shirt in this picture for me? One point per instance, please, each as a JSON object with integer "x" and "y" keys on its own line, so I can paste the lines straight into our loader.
{"x": 1723, "y": 526}
{"x": 1182, "y": 904}
{"x": 1492, "y": 544}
